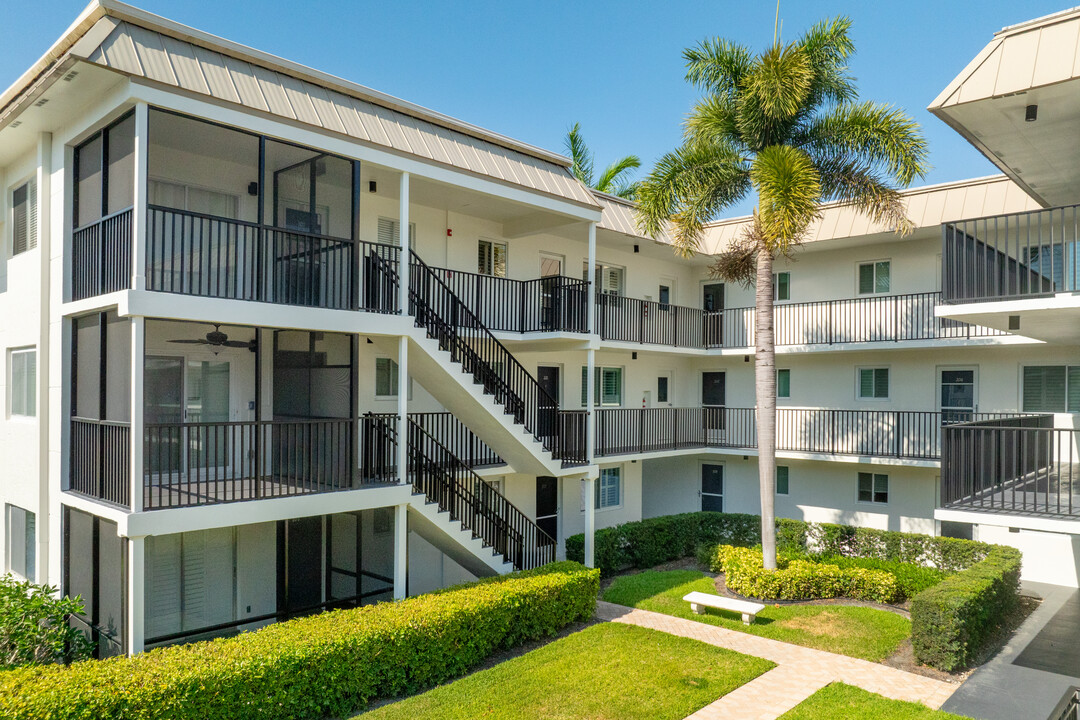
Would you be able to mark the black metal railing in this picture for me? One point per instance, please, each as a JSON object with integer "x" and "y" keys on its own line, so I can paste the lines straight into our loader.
{"x": 444, "y": 479}
{"x": 100, "y": 460}
{"x": 1020, "y": 464}
{"x": 1027, "y": 254}
{"x": 101, "y": 256}
{"x": 906, "y": 434}
{"x": 876, "y": 318}
{"x": 198, "y": 254}
{"x": 548, "y": 304}
{"x": 189, "y": 464}
{"x": 468, "y": 341}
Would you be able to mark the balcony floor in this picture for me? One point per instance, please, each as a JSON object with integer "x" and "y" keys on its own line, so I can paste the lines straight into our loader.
{"x": 1056, "y": 493}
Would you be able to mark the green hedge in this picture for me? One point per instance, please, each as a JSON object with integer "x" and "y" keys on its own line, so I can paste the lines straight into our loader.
{"x": 910, "y": 579}
{"x": 324, "y": 665}
{"x": 647, "y": 543}
{"x": 800, "y": 578}
{"x": 951, "y": 622}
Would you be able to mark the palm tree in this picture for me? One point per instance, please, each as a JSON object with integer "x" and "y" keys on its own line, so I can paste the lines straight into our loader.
{"x": 612, "y": 180}
{"x": 787, "y": 125}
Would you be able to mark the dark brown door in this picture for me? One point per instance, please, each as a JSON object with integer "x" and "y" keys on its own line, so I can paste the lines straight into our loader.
{"x": 547, "y": 505}
{"x": 713, "y": 398}
{"x": 712, "y": 488}
{"x": 548, "y": 377}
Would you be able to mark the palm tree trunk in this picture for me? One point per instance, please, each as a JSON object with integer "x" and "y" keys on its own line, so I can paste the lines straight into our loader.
{"x": 765, "y": 389}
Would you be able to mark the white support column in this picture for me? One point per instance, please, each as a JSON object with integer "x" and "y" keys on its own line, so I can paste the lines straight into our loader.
{"x": 138, "y": 217}
{"x": 401, "y": 551}
{"x": 592, "y": 279}
{"x": 403, "y": 245}
{"x": 590, "y": 520}
{"x": 44, "y": 362}
{"x": 403, "y": 410}
{"x": 138, "y": 356}
{"x": 590, "y": 406}
{"x": 136, "y": 563}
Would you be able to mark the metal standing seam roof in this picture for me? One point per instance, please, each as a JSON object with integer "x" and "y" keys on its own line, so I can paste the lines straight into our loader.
{"x": 927, "y": 206}
{"x": 620, "y": 215}
{"x": 146, "y": 46}
{"x": 1039, "y": 52}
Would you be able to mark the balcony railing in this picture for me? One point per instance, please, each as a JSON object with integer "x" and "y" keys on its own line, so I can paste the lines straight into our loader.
{"x": 100, "y": 459}
{"x": 207, "y": 463}
{"x": 1017, "y": 464}
{"x": 197, "y": 254}
{"x": 101, "y": 256}
{"x": 1021, "y": 255}
{"x": 548, "y": 304}
{"x": 876, "y": 318}
{"x": 904, "y": 434}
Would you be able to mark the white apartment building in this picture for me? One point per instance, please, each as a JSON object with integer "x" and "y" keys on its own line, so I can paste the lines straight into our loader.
{"x": 275, "y": 342}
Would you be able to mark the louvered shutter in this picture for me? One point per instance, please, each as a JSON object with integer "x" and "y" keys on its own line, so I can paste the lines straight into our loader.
{"x": 388, "y": 233}
{"x": 32, "y": 216}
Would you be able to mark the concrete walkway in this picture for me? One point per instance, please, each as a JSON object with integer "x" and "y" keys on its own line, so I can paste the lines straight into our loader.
{"x": 800, "y": 671}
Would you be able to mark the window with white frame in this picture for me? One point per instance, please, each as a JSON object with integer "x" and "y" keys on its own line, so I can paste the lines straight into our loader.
{"x": 386, "y": 378}
{"x": 389, "y": 234}
{"x": 873, "y": 384}
{"x": 609, "y": 278}
{"x": 22, "y": 387}
{"x": 874, "y": 277}
{"x": 782, "y": 476}
{"x": 491, "y": 258}
{"x": 1051, "y": 388}
{"x": 783, "y": 383}
{"x": 20, "y": 543}
{"x": 24, "y": 223}
{"x": 873, "y": 488}
{"x": 609, "y": 386}
{"x": 609, "y": 488}
{"x": 781, "y": 288}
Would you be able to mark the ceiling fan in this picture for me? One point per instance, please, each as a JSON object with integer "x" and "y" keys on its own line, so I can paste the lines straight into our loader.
{"x": 217, "y": 339}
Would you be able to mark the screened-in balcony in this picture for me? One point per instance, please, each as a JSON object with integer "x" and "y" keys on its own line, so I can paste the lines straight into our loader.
{"x": 1016, "y": 465}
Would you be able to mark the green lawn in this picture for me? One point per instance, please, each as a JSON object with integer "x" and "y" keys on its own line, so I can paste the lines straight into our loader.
{"x": 852, "y": 703}
{"x": 859, "y": 632}
{"x": 605, "y": 671}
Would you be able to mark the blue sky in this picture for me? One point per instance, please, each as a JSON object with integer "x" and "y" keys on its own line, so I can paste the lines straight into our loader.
{"x": 531, "y": 69}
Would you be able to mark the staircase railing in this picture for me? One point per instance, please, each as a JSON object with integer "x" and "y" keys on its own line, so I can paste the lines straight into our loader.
{"x": 435, "y": 306}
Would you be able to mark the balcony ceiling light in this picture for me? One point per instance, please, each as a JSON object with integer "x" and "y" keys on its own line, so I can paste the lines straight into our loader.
{"x": 1031, "y": 113}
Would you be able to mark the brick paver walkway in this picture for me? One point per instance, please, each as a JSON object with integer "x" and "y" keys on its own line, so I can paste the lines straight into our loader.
{"x": 800, "y": 671}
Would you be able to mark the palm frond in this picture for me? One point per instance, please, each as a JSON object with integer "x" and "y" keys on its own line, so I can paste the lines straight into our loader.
{"x": 738, "y": 262}
{"x": 610, "y": 178}
{"x": 828, "y": 46}
{"x": 779, "y": 82}
{"x": 717, "y": 65}
{"x": 714, "y": 118}
{"x": 578, "y": 151}
{"x": 789, "y": 189}
{"x": 689, "y": 187}
{"x": 855, "y": 183}
{"x": 627, "y": 190}
{"x": 878, "y": 135}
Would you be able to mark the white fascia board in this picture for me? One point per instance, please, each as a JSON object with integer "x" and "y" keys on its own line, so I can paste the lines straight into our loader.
{"x": 169, "y": 306}
{"x": 120, "y": 516}
{"x": 174, "y": 520}
{"x": 1060, "y": 301}
{"x": 787, "y": 455}
{"x": 1003, "y": 519}
{"x": 181, "y": 102}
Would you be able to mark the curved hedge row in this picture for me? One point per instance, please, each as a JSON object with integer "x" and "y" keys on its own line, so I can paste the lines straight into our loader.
{"x": 800, "y": 579}
{"x": 323, "y": 665}
{"x": 951, "y": 621}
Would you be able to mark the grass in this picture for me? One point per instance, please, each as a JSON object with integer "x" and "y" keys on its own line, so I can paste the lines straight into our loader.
{"x": 852, "y": 703}
{"x": 605, "y": 671}
{"x": 860, "y": 632}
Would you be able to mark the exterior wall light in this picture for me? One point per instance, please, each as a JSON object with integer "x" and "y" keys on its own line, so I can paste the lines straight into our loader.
{"x": 1031, "y": 113}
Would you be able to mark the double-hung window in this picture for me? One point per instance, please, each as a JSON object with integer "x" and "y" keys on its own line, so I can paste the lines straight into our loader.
{"x": 608, "y": 390}
{"x": 874, "y": 277}
{"x": 24, "y": 234}
{"x": 21, "y": 542}
{"x": 1051, "y": 388}
{"x": 491, "y": 258}
{"x": 873, "y": 488}
{"x": 873, "y": 384}
{"x": 23, "y": 382}
{"x": 609, "y": 488}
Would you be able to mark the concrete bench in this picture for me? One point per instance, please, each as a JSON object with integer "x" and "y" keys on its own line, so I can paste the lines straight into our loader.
{"x": 699, "y": 601}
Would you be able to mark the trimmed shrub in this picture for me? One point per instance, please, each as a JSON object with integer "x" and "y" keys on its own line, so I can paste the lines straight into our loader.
{"x": 34, "y": 625}
{"x": 948, "y": 554}
{"x": 800, "y": 579}
{"x": 323, "y": 665}
{"x": 952, "y": 621}
{"x": 910, "y": 579}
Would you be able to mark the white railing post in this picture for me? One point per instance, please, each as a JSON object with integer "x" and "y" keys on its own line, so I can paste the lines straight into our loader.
{"x": 401, "y": 551}
{"x": 591, "y": 287}
{"x": 136, "y": 630}
{"x": 135, "y": 431}
{"x": 138, "y": 213}
{"x": 403, "y": 410}
{"x": 590, "y": 520}
{"x": 590, "y": 406}
{"x": 403, "y": 245}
